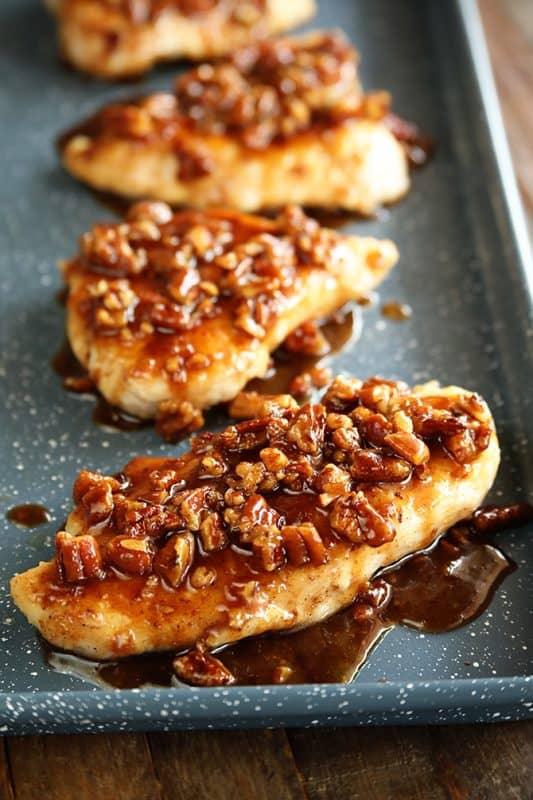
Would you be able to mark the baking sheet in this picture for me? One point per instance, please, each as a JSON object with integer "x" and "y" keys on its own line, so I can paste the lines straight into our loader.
{"x": 463, "y": 270}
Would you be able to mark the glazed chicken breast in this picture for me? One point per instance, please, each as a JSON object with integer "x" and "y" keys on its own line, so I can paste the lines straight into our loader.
{"x": 172, "y": 313}
{"x": 120, "y": 38}
{"x": 282, "y": 121}
{"x": 274, "y": 523}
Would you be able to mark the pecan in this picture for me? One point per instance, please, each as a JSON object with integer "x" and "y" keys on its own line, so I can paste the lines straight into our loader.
{"x": 303, "y": 543}
{"x": 307, "y": 429}
{"x": 372, "y": 426}
{"x": 139, "y": 518}
{"x": 202, "y": 669}
{"x": 249, "y": 476}
{"x": 353, "y": 518}
{"x": 157, "y": 212}
{"x": 343, "y": 393}
{"x": 133, "y": 556}
{"x": 332, "y": 480}
{"x": 256, "y": 515}
{"x": 212, "y": 533}
{"x": 307, "y": 340}
{"x": 173, "y": 560}
{"x": 95, "y": 494}
{"x": 462, "y": 446}
{"x": 268, "y": 549}
{"x": 298, "y": 474}
{"x": 202, "y": 577}
{"x": 370, "y": 466}
{"x": 176, "y": 419}
{"x": 194, "y": 504}
{"x": 408, "y": 446}
{"x": 107, "y": 248}
{"x": 213, "y": 464}
{"x": 274, "y": 459}
{"x": 78, "y": 558}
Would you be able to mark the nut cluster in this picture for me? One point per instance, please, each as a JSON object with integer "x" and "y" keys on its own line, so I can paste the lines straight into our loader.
{"x": 273, "y": 89}
{"x": 267, "y": 92}
{"x": 284, "y": 487}
{"x": 166, "y": 273}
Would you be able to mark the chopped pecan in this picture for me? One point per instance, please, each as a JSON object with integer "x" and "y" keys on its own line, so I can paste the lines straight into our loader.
{"x": 307, "y": 429}
{"x": 256, "y": 516}
{"x": 212, "y": 533}
{"x": 370, "y": 466}
{"x": 202, "y": 577}
{"x": 173, "y": 560}
{"x": 268, "y": 548}
{"x": 78, "y": 558}
{"x": 307, "y": 340}
{"x": 303, "y": 544}
{"x": 408, "y": 446}
{"x": 157, "y": 212}
{"x": 94, "y": 492}
{"x": 139, "y": 518}
{"x": 133, "y": 556}
{"x": 274, "y": 459}
{"x": 353, "y": 518}
{"x": 176, "y": 419}
{"x": 372, "y": 426}
{"x": 343, "y": 393}
{"x": 194, "y": 504}
{"x": 202, "y": 669}
{"x": 332, "y": 480}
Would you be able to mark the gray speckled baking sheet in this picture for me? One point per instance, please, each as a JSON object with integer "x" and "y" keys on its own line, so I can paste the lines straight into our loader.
{"x": 464, "y": 272}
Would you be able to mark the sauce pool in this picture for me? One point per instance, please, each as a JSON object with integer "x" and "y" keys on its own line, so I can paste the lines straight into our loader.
{"x": 29, "y": 515}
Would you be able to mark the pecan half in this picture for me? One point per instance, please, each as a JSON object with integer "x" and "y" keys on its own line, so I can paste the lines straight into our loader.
{"x": 202, "y": 669}
{"x": 78, "y": 558}
{"x": 174, "y": 559}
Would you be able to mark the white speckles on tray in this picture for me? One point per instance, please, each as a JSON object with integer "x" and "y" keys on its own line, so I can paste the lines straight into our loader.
{"x": 469, "y": 326}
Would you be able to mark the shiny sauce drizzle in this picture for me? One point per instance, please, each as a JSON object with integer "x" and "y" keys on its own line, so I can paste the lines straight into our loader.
{"x": 28, "y": 515}
{"x": 434, "y": 591}
{"x": 76, "y": 380}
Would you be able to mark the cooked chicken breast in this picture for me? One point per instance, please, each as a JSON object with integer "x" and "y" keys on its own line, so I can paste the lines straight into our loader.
{"x": 118, "y": 38}
{"x": 275, "y": 523}
{"x": 184, "y": 309}
{"x": 283, "y": 121}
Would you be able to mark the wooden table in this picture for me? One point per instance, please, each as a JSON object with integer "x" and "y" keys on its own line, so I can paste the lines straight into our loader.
{"x": 431, "y": 763}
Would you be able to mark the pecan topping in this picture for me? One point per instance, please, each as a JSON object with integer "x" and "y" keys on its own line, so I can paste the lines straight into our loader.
{"x": 354, "y": 519}
{"x": 130, "y": 555}
{"x": 303, "y": 544}
{"x": 176, "y": 419}
{"x": 175, "y": 558}
{"x": 268, "y": 487}
{"x": 78, "y": 558}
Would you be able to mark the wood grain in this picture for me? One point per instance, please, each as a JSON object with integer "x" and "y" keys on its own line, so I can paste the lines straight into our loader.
{"x": 490, "y": 762}
{"x": 510, "y": 41}
{"x": 114, "y": 767}
{"x": 258, "y": 765}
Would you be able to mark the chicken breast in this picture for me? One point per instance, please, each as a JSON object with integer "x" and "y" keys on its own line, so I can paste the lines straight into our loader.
{"x": 176, "y": 312}
{"x": 118, "y": 38}
{"x": 283, "y": 121}
{"x": 275, "y": 523}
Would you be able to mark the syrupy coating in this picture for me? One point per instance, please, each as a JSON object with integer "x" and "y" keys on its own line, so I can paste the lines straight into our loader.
{"x": 434, "y": 591}
{"x": 286, "y": 487}
{"x": 263, "y": 95}
{"x": 147, "y": 285}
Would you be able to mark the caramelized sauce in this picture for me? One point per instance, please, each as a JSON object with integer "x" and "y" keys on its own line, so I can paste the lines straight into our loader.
{"x": 61, "y": 296}
{"x": 76, "y": 380}
{"x": 399, "y": 312}
{"x": 28, "y": 515}
{"x": 114, "y": 419}
{"x": 433, "y": 591}
{"x": 341, "y": 328}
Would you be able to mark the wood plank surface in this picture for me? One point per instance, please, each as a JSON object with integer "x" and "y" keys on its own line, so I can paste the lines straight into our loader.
{"x": 491, "y": 762}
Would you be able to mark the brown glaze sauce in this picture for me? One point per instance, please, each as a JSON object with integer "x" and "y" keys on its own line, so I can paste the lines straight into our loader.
{"x": 29, "y": 515}
{"x": 433, "y": 591}
{"x": 341, "y": 328}
{"x": 399, "y": 312}
{"x": 76, "y": 380}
